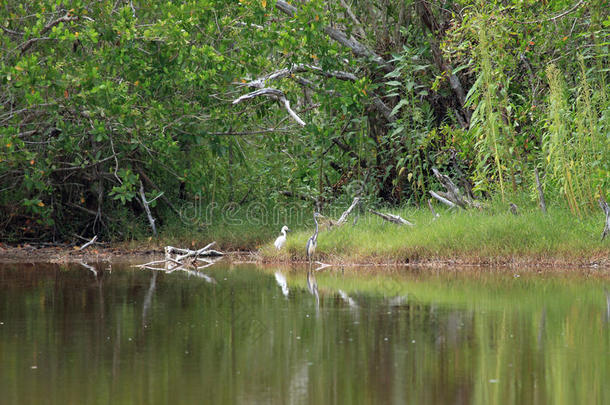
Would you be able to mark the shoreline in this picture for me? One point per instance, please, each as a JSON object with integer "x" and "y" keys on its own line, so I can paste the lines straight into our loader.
{"x": 118, "y": 253}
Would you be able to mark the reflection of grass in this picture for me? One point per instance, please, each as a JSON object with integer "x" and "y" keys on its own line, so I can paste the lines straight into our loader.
{"x": 473, "y": 236}
{"x": 470, "y": 288}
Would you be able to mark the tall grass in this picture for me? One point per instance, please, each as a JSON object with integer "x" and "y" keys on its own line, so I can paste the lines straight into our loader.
{"x": 558, "y": 153}
{"x": 493, "y": 235}
{"x": 485, "y": 119}
{"x": 576, "y": 147}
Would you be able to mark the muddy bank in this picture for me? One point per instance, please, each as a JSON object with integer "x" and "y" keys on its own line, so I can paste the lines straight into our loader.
{"x": 60, "y": 254}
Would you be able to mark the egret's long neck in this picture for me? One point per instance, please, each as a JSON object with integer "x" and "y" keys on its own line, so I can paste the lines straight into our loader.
{"x": 283, "y": 232}
{"x": 315, "y": 234}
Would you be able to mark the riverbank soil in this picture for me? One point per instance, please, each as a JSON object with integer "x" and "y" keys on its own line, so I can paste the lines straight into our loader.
{"x": 29, "y": 253}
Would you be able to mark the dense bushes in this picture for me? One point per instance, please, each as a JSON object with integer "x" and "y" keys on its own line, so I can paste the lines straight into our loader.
{"x": 100, "y": 97}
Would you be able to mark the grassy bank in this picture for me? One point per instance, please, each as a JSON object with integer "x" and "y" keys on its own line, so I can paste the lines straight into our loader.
{"x": 490, "y": 236}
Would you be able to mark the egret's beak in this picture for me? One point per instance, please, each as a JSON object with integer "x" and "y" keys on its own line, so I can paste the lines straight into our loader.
{"x": 288, "y": 230}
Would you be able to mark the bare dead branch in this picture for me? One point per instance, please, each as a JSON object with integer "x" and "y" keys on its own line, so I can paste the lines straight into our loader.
{"x": 260, "y": 82}
{"x": 396, "y": 219}
{"x": 86, "y": 245}
{"x": 343, "y": 218}
{"x": 357, "y": 48}
{"x": 443, "y": 200}
{"x": 145, "y": 204}
{"x": 276, "y": 95}
{"x": 184, "y": 260}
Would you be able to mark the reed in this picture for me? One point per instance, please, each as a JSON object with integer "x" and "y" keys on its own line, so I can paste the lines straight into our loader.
{"x": 559, "y": 154}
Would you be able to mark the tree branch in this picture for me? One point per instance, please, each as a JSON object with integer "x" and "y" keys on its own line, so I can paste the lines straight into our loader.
{"x": 345, "y": 214}
{"x": 606, "y": 208}
{"x": 66, "y": 18}
{"x": 145, "y": 204}
{"x": 276, "y": 95}
{"x": 300, "y": 68}
{"x": 354, "y": 19}
{"x": 396, "y": 219}
{"x": 340, "y": 37}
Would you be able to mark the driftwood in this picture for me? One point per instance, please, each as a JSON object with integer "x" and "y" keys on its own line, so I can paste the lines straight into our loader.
{"x": 442, "y": 199}
{"x": 452, "y": 197}
{"x": 604, "y": 206}
{"x": 186, "y": 253}
{"x": 396, "y": 219}
{"x": 185, "y": 260}
{"x": 86, "y": 245}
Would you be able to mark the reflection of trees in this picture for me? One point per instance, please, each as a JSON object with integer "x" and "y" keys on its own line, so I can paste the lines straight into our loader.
{"x": 133, "y": 336}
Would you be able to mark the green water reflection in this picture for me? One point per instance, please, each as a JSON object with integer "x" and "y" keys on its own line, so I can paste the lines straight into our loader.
{"x": 127, "y": 336}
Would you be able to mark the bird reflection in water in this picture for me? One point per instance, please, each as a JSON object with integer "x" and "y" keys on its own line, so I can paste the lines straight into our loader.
{"x": 312, "y": 286}
{"x": 280, "y": 279}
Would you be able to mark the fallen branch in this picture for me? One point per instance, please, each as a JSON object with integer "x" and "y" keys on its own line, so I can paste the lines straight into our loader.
{"x": 396, "y": 219}
{"x": 86, "y": 245}
{"x": 453, "y": 193}
{"x": 604, "y": 206}
{"x": 186, "y": 253}
{"x": 452, "y": 197}
{"x": 443, "y": 200}
{"x": 183, "y": 259}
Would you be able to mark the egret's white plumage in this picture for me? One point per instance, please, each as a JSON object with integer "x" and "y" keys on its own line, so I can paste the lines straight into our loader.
{"x": 281, "y": 281}
{"x": 281, "y": 240}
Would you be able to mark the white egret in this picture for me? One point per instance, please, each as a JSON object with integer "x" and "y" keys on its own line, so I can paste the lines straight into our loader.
{"x": 281, "y": 240}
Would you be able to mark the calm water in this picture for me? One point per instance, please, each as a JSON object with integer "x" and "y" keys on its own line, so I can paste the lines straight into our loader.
{"x": 128, "y": 336}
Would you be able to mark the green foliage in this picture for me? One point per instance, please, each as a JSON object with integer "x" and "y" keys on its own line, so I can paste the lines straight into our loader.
{"x": 98, "y": 97}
